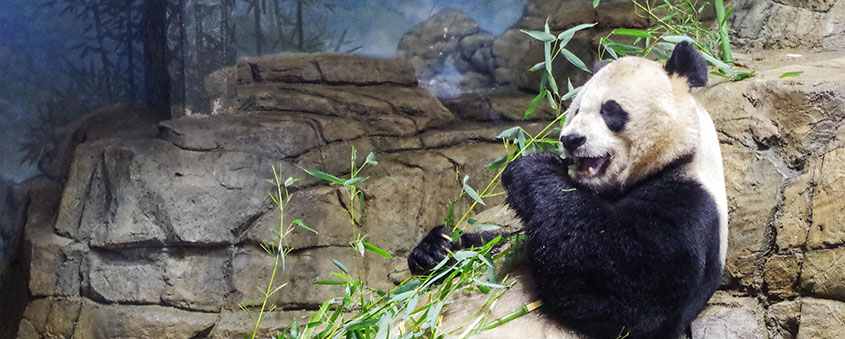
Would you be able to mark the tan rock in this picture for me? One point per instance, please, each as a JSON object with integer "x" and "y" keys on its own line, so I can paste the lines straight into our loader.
{"x": 828, "y": 227}
{"x": 821, "y": 319}
{"x": 823, "y": 273}
{"x": 793, "y": 221}
{"x": 783, "y": 318}
{"x": 781, "y": 275}
{"x": 753, "y": 184}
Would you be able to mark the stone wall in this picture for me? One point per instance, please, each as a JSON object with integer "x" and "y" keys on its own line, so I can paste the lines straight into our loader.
{"x": 157, "y": 235}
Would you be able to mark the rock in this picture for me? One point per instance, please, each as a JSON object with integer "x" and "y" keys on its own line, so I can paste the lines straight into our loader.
{"x": 429, "y": 44}
{"x": 268, "y": 135}
{"x": 220, "y": 87}
{"x": 816, "y": 5}
{"x": 51, "y": 318}
{"x": 821, "y": 319}
{"x": 753, "y": 184}
{"x": 110, "y": 123}
{"x": 498, "y": 106}
{"x": 334, "y": 69}
{"x": 320, "y": 208}
{"x": 783, "y": 318}
{"x": 113, "y": 280}
{"x": 234, "y": 324}
{"x": 100, "y": 321}
{"x": 54, "y": 266}
{"x": 823, "y": 273}
{"x": 509, "y": 53}
{"x": 782, "y": 24}
{"x": 781, "y": 275}
{"x": 730, "y": 317}
{"x": 380, "y": 110}
{"x": 828, "y": 227}
{"x": 162, "y": 194}
{"x": 793, "y": 222}
{"x": 196, "y": 280}
{"x": 252, "y": 268}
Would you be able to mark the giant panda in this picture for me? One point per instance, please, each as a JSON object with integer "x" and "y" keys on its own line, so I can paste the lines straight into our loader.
{"x": 626, "y": 229}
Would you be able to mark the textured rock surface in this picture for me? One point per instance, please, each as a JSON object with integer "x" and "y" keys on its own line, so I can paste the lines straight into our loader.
{"x": 157, "y": 235}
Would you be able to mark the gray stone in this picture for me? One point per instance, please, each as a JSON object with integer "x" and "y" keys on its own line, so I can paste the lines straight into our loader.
{"x": 196, "y": 280}
{"x": 252, "y": 268}
{"x": 730, "y": 318}
{"x": 147, "y": 322}
{"x": 328, "y": 68}
{"x": 268, "y": 135}
{"x": 319, "y": 208}
{"x": 137, "y": 280}
{"x": 429, "y": 44}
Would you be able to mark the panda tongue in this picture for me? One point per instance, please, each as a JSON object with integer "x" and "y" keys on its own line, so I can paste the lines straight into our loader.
{"x": 590, "y": 163}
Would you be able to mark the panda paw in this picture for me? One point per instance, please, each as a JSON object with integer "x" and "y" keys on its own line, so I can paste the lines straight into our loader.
{"x": 431, "y": 250}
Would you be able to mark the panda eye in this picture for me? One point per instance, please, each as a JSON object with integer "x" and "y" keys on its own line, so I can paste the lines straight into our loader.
{"x": 614, "y": 115}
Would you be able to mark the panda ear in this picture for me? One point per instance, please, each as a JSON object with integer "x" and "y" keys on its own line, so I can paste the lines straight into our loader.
{"x": 599, "y": 65}
{"x": 688, "y": 63}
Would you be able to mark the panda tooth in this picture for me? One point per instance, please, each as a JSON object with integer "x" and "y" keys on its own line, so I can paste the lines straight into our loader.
{"x": 590, "y": 171}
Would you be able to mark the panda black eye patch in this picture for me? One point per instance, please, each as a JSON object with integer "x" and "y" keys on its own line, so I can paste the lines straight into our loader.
{"x": 614, "y": 116}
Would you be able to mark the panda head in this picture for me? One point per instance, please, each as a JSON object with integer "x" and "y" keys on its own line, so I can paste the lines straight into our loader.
{"x": 632, "y": 118}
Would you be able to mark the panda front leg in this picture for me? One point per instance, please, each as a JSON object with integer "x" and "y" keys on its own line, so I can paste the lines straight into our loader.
{"x": 439, "y": 243}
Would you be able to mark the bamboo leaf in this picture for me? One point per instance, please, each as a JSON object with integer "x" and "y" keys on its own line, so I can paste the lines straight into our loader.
{"x": 302, "y": 224}
{"x": 324, "y": 176}
{"x": 473, "y": 194}
{"x": 633, "y": 32}
{"x": 534, "y": 104}
{"x": 542, "y": 36}
{"x": 371, "y": 159}
{"x": 790, "y": 74}
{"x": 537, "y": 67}
{"x": 376, "y": 250}
{"x": 565, "y": 36}
{"x": 340, "y": 266}
{"x": 354, "y": 181}
{"x": 574, "y": 60}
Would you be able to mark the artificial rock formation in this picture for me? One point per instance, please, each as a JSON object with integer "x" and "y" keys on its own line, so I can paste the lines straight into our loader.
{"x": 157, "y": 235}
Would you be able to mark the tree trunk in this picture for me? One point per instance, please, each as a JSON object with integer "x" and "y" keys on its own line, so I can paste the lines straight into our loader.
{"x": 156, "y": 76}
{"x": 300, "y": 31}
{"x": 259, "y": 35}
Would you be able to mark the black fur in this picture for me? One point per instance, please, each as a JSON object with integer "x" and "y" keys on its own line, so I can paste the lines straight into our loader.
{"x": 599, "y": 65}
{"x": 687, "y": 62}
{"x": 436, "y": 245}
{"x": 614, "y": 116}
{"x": 645, "y": 260}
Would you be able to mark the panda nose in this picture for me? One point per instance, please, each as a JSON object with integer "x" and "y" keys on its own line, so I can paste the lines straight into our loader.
{"x": 572, "y": 141}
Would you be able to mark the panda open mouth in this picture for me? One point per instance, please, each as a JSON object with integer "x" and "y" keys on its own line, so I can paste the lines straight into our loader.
{"x": 588, "y": 168}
